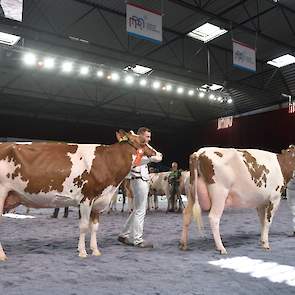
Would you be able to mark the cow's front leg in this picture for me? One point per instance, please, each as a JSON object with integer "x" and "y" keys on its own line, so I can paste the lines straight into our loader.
{"x": 94, "y": 223}
{"x": 156, "y": 202}
{"x": 85, "y": 210}
{"x": 3, "y": 256}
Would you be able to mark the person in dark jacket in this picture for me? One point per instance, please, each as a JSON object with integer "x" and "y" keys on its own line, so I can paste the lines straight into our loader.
{"x": 174, "y": 182}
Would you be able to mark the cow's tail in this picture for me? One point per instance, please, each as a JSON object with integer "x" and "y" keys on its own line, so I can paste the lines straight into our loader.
{"x": 196, "y": 210}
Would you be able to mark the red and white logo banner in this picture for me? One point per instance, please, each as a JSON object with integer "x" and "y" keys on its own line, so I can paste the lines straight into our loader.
{"x": 144, "y": 23}
{"x": 225, "y": 122}
{"x": 292, "y": 107}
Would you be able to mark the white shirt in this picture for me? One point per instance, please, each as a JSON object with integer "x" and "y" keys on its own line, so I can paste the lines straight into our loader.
{"x": 143, "y": 171}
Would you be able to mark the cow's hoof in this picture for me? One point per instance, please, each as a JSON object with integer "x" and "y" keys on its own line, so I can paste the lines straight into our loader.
{"x": 266, "y": 248}
{"x": 3, "y": 258}
{"x": 223, "y": 252}
{"x": 96, "y": 253}
{"x": 182, "y": 246}
{"x": 83, "y": 254}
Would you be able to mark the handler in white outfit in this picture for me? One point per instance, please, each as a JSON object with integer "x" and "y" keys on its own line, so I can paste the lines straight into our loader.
{"x": 291, "y": 199}
{"x": 132, "y": 233}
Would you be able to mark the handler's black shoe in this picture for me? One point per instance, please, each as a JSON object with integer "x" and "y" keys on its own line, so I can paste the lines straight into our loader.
{"x": 124, "y": 241}
{"x": 144, "y": 244}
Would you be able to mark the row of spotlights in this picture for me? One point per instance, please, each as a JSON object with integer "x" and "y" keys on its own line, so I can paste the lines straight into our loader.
{"x": 30, "y": 59}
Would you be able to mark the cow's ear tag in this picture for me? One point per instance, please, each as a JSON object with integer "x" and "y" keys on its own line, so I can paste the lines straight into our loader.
{"x": 138, "y": 157}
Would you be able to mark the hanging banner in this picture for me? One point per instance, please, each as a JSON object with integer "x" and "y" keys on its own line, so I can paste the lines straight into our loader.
{"x": 225, "y": 122}
{"x": 291, "y": 105}
{"x": 244, "y": 57}
{"x": 144, "y": 23}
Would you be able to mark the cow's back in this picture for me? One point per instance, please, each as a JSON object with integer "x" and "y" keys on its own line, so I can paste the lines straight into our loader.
{"x": 46, "y": 174}
{"x": 248, "y": 174}
{"x": 36, "y": 167}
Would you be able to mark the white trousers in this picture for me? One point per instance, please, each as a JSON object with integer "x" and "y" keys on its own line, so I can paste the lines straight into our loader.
{"x": 133, "y": 228}
{"x": 291, "y": 202}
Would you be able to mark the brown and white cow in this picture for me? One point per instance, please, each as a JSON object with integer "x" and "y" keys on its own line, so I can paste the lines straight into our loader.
{"x": 45, "y": 175}
{"x": 183, "y": 187}
{"x": 159, "y": 186}
{"x": 237, "y": 178}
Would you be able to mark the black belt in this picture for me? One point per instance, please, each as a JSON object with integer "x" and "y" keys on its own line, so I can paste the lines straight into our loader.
{"x": 138, "y": 177}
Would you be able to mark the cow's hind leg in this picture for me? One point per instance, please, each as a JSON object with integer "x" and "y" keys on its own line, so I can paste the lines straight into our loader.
{"x": 85, "y": 210}
{"x": 187, "y": 218}
{"x": 218, "y": 197}
{"x": 156, "y": 202}
{"x": 94, "y": 223}
{"x": 266, "y": 214}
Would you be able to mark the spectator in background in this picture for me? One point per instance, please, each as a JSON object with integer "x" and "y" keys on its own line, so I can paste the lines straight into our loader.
{"x": 174, "y": 181}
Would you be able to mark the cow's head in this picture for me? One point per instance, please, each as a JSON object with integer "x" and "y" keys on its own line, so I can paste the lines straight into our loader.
{"x": 289, "y": 152}
{"x": 137, "y": 142}
{"x": 287, "y": 160}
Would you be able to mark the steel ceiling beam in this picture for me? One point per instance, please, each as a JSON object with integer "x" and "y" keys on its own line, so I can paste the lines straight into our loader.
{"x": 178, "y": 34}
{"x": 64, "y": 38}
{"x": 229, "y": 22}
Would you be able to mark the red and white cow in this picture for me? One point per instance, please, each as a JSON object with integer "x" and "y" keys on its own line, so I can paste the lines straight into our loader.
{"x": 45, "y": 175}
{"x": 237, "y": 178}
{"x": 159, "y": 186}
{"x": 183, "y": 186}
